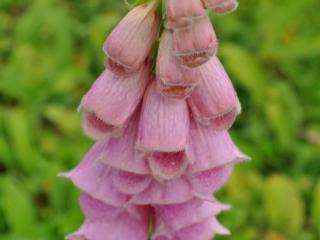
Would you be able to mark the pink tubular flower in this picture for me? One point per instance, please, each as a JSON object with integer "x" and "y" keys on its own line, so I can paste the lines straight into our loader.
{"x": 181, "y": 15}
{"x": 163, "y": 133}
{"x": 195, "y": 45}
{"x": 214, "y": 101}
{"x": 190, "y": 220}
{"x": 208, "y": 148}
{"x": 107, "y": 222}
{"x": 221, "y": 6}
{"x": 162, "y": 146}
{"x": 111, "y": 101}
{"x": 129, "y": 44}
{"x": 174, "y": 79}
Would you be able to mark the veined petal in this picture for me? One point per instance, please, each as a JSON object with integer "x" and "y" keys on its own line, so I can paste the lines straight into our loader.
{"x": 178, "y": 216}
{"x": 99, "y": 226}
{"x": 167, "y": 166}
{"x": 111, "y": 101}
{"x": 174, "y": 79}
{"x": 180, "y": 14}
{"x": 214, "y": 101}
{"x": 120, "y": 153}
{"x": 194, "y": 46}
{"x": 129, "y": 44}
{"x": 164, "y": 123}
{"x": 94, "y": 178}
{"x": 130, "y": 183}
{"x": 208, "y": 148}
{"x": 204, "y": 230}
{"x": 209, "y": 181}
{"x": 97, "y": 210}
{"x": 171, "y": 192}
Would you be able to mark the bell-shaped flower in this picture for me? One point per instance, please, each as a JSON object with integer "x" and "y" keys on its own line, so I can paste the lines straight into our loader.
{"x": 214, "y": 101}
{"x": 180, "y": 14}
{"x": 111, "y": 101}
{"x": 173, "y": 78}
{"x": 129, "y": 44}
{"x": 163, "y": 133}
{"x": 107, "y": 222}
{"x": 208, "y": 148}
{"x": 195, "y": 45}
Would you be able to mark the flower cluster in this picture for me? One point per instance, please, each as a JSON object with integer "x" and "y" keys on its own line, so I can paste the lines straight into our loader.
{"x": 162, "y": 146}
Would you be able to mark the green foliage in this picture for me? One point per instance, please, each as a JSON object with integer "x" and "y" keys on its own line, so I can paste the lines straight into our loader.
{"x": 50, "y": 53}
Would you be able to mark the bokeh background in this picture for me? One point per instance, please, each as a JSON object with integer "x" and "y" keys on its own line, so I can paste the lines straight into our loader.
{"x": 50, "y": 53}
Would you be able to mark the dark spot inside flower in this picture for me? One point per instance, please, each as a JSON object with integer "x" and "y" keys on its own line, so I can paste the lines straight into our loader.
{"x": 196, "y": 59}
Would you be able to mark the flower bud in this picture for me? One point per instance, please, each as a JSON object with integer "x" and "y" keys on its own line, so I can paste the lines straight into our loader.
{"x": 195, "y": 45}
{"x": 129, "y": 44}
{"x": 214, "y": 101}
{"x": 111, "y": 101}
{"x": 221, "y": 6}
{"x": 174, "y": 79}
{"x": 181, "y": 13}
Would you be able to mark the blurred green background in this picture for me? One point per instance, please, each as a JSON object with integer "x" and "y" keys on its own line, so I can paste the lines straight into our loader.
{"x": 50, "y": 53}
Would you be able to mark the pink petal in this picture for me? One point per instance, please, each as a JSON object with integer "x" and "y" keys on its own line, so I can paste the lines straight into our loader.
{"x": 96, "y": 210}
{"x": 180, "y": 92}
{"x": 111, "y": 101}
{"x": 196, "y": 45}
{"x": 166, "y": 166}
{"x": 211, "y": 180}
{"x": 130, "y": 43}
{"x": 180, "y": 14}
{"x": 208, "y": 148}
{"x": 227, "y": 7}
{"x": 93, "y": 178}
{"x": 96, "y": 128}
{"x": 130, "y": 183}
{"x": 119, "y": 153}
{"x": 179, "y": 216}
{"x": 202, "y": 231}
{"x": 164, "y": 123}
{"x": 175, "y": 191}
{"x": 214, "y": 101}
{"x": 174, "y": 79}
{"x": 123, "y": 227}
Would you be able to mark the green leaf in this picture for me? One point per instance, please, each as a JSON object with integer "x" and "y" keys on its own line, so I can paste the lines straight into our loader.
{"x": 17, "y": 206}
{"x": 315, "y": 207}
{"x": 283, "y": 205}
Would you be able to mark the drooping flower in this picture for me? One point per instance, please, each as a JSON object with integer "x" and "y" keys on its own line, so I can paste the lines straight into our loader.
{"x": 195, "y": 45}
{"x": 162, "y": 145}
{"x": 129, "y": 44}
{"x": 214, "y": 101}
{"x": 174, "y": 79}
{"x": 163, "y": 133}
{"x": 182, "y": 15}
{"x": 111, "y": 101}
